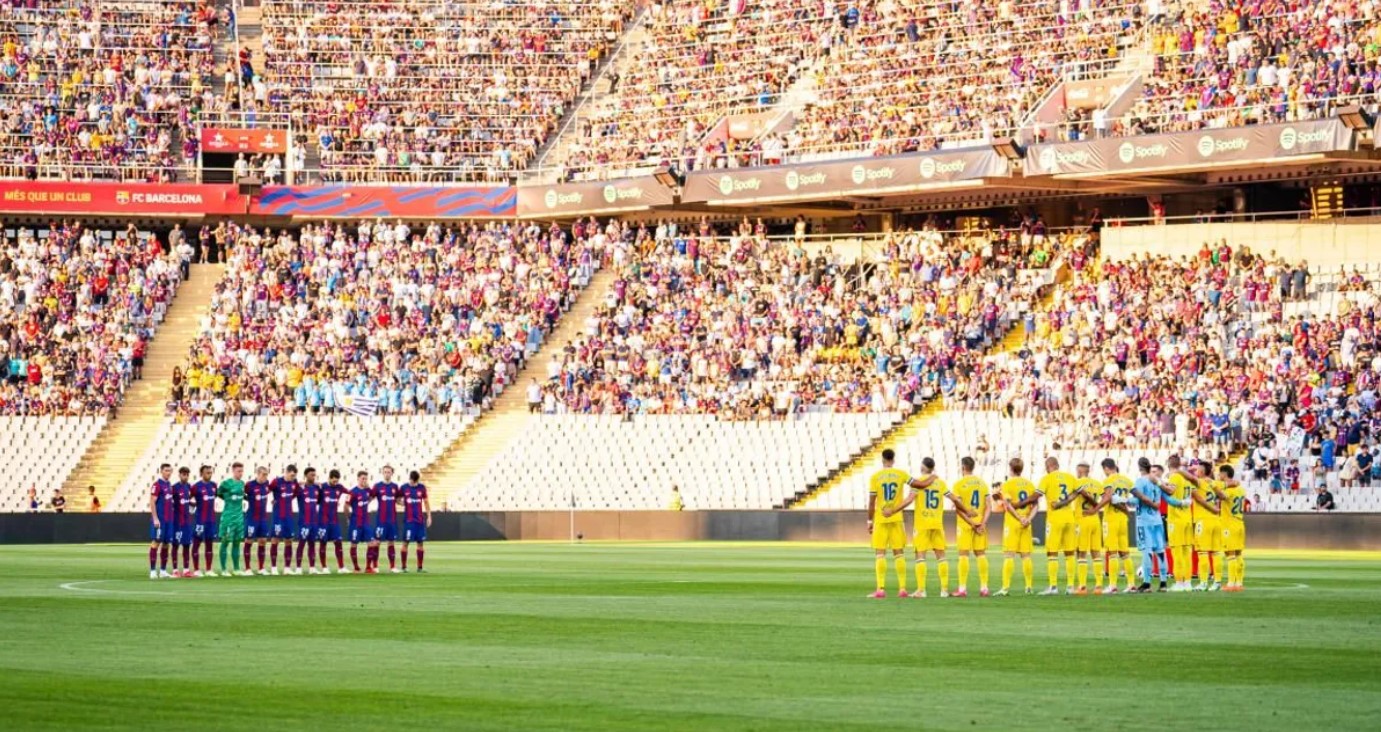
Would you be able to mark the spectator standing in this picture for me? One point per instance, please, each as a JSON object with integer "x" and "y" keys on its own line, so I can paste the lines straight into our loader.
{"x": 58, "y": 502}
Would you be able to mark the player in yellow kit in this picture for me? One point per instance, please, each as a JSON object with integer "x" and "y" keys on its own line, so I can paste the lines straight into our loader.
{"x": 1208, "y": 534}
{"x": 1057, "y": 487}
{"x": 1234, "y": 521}
{"x": 1089, "y": 533}
{"x": 886, "y": 491}
{"x": 972, "y": 540}
{"x": 1018, "y": 496}
{"x": 1117, "y": 495}
{"x": 1179, "y": 524}
{"x": 930, "y": 526}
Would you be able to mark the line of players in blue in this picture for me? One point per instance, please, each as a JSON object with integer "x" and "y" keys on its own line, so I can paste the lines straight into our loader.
{"x": 300, "y": 517}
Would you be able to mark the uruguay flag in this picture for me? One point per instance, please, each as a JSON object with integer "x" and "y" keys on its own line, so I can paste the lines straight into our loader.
{"x": 362, "y": 406}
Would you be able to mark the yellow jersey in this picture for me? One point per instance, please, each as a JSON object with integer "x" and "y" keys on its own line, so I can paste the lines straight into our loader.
{"x": 930, "y": 506}
{"x": 1121, "y": 487}
{"x": 1015, "y": 490}
{"x": 1092, "y": 490}
{"x": 1237, "y": 506}
{"x": 1056, "y": 487}
{"x": 971, "y": 492}
{"x": 1210, "y": 520}
{"x": 1183, "y": 488}
{"x": 889, "y": 486}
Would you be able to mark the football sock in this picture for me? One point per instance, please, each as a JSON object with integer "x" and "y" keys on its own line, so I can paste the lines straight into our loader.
{"x": 1082, "y": 570}
{"x": 879, "y": 569}
{"x": 153, "y": 558}
{"x": 186, "y": 556}
{"x": 321, "y": 554}
{"x": 1129, "y": 566}
{"x": 206, "y": 548}
{"x": 311, "y": 556}
{"x": 262, "y": 551}
{"x": 920, "y": 574}
{"x": 1164, "y": 566}
{"x": 983, "y": 571}
{"x": 196, "y": 556}
{"x": 405, "y": 558}
{"x": 963, "y": 571}
{"x": 422, "y": 555}
{"x": 355, "y": 556}
{"x": 900, "y": 564}
{"x": 1147, "y": 570}
{"x": 1100, "y": 571}
{"x": 944, "y": 576}
{"x": 163, "y": 557}
{"x": 392, "y": 556}
{"x": 225, "y": 546}
{"x": 1186, "y": 560}
{"x": 340, "y": 556}
{"x": 235, "y": 554}
{"x": 273, "y": 555}
{"x": 1028, "y": 572}
{"x": 249, "y": 547}
{"x": 1008, "y": 566}
{"x": 1052, "y": 567}
{"x": 1071, "y": 567}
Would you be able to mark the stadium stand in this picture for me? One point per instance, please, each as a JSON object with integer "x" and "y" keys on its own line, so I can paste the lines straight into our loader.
{"x": 341, "y": 441}
{"x": 429, "y": 320}
{"x": 106, "y": 90}
{"x": 78, "y": 306}
{"x": 431, "y": 90}
{"x": 41, "y": 451}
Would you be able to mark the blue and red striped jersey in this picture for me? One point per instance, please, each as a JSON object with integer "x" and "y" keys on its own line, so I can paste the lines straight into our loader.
{"x": 308, "y": 503}
{"x": 387, "y": 493}
{"x": 330, "y": 503}
{"x": 182, "y": 503}
{"x": 284, "y": 491}
{"x": 413, "y": 496}
{"x": 359, "y": 505}
{"x": 162, "y": 492}
{"x": 204, "y": 494}
{"x": 258, "y": 494}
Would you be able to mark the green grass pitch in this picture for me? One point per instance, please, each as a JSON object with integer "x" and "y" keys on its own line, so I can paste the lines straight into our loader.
{"x": 673, "y": 637}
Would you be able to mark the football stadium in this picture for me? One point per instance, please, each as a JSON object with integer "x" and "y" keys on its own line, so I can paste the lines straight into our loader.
{"x": 690, "y": 364}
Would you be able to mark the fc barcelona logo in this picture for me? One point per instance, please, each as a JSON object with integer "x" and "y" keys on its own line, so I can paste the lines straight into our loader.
{"x": 122, "y": 197}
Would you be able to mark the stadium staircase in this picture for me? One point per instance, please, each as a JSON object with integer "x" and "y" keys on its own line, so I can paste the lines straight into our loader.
{"x": 129, "y": 433}
{"x": 913, "y": 424}
{"x": 508, "y": 416}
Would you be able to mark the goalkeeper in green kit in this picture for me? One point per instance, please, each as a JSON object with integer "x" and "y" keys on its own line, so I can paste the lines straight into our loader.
{"x": 232, "y": 529}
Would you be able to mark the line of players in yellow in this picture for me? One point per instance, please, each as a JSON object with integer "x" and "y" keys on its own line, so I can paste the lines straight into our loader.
{"x": 1086, "y": 522}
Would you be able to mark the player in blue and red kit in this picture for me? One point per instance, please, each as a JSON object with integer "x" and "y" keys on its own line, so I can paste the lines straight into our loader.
{"x": 284, "y": 491}
{"x": 160, "y": 521}
{"x": 257, "y": 523}
{"x": 417, "y": 517}
{"x": 204, "y": 532}
{"x": 308, "y": 511}
{"x": 328, "y": 523}
{"x": 385, "y": 521}
{"x": 182, "y": 525}
{"x": 358, "y": 505}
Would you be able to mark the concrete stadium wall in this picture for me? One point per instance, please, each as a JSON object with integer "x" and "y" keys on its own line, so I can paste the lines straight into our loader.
{"x": 1319, "y": 242}
{"x": 1264, "y": 531}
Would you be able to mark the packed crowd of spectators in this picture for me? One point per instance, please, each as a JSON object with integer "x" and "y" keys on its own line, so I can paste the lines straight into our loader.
{"x": 700, "y": 61}
{"x": 426, "y": 320}
{"x": 77, "y": 309}
{"x": 431, "y": 90}
{"x": 1230, "y": 63}
{"x": 748, "y": 327}
{"x": 1196, "y": 353}
{"x": 105, "y": 90}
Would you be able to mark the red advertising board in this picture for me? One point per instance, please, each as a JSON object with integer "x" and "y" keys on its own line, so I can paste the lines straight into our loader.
{"x": 228, "y": 140}
{"x": 120, "y": 199}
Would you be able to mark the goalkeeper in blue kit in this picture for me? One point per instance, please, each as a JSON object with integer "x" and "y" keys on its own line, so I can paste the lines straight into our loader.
{"x": 1150, "y": 529}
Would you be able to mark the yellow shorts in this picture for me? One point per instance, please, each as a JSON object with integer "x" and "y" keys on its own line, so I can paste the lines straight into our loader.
{"x": 968, "y": 541}
{"x": 1208, "y": 537}
{"x": 1061, "y": 536}
{"x": 889, "y": 536}
{"x": 1115, "y": 536}
{"x": 1234, "y": 537}
{"x": 930, "y": 540}
{"x": 1179, "y": 533}
{"x": 1090, "y": 535}
{"x": 1016, "y": 538}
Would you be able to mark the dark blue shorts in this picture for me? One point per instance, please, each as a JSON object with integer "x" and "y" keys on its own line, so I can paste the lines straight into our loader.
{"x": 332, "y": 532}
{"x": 306, "y": 533}
{"x": 283, "y": 529}
{"x": 182, "y": 534}
{"x": 258, "y": 529}
{"x": 360, "y": 534}
{"x": 386, "y": 531}
{"x": 204, "y": 532}
{"x": 414, "y": 532}
{"x": 162, "y": 533}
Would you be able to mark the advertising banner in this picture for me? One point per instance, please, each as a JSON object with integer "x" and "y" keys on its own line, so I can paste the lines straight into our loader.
{"x": 412, "y": 202}
{"x": 857, "y": 176}
{"x": 593, "y": 197}
{"x": 120, "y": 199}
{"x": 229, "y": 140}
{"x": 1092, "y": 93}
{"x": 1190, "y": 149}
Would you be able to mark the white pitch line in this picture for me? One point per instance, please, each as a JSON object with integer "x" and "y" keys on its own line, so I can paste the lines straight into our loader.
{"x": 78, "y": 587}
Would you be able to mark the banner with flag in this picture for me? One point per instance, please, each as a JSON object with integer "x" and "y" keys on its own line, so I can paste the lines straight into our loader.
{"x": 362, "y": 406}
